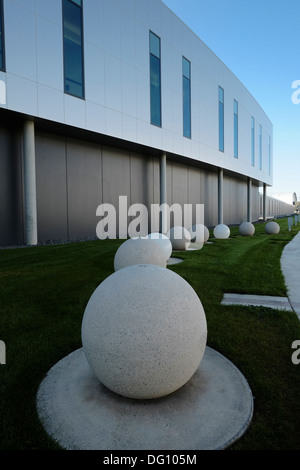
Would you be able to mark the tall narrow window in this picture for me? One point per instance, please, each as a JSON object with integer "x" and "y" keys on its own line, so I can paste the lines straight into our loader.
{"x": 252, "y": 142}
{"x": 186, "y": 92}
{"x": 73, "y": 47}
{"x": 260, "y": 147}
{"x": 221, "y": 119}
{"x": 269, "y": 155}
{"x": 155, "y": 80}
{"x": 236, "y": 128}
{"x": 2, "y": 54}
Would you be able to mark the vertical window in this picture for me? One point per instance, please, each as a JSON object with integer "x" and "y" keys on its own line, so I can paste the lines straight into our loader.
{"x": 221, "y": 119}
{"x": 252, "y": 142}
{"x": 2, "y": 54}
{"x": 236, "y": 128}
{"x": 73, "y": 48}
{"x": 155, "y": 80}
{"x": 186, "y": 92}
{"x": 260, "y": 147}
{"x": 269, "y": 155}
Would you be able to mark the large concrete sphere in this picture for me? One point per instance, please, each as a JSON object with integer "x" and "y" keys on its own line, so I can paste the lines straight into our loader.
{"x": 272, "y": 228}
{"x": 199, "y": 233}
{"x": 180, "y": 237}
{"x": 221, "y": 231}
{"x": 163, "y": 242}
{"x": 247, "y": 229}
{"x": 139, "y": 251}
{"x": 144, "y": 332}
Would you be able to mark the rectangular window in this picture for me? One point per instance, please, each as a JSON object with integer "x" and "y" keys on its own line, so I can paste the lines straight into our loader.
{"x": 252, "y": 142}
{"x": 236, "y": 128}
{"x": 260, "y": 147}
{"x": 269, "y": 155}
{"x": 73, "y": 48}
{"x": 186, "y": 92}
{"x": 221, "y": 119}
{"x": 2, "y": 53}
{"x": 155, "y": 80}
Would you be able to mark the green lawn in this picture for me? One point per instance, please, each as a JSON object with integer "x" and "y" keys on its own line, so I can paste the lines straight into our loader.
{"x": 44, "y": 291}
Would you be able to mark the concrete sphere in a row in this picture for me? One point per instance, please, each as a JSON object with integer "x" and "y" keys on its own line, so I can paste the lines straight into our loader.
{"x": 272, "y": 228}
{"x": 180, "y": 237}
{"x": 221, "y": 231}
{"x": 247, "y": 229}
{"x": 199, "y": 233}
{"x": 144, "y": 332}
{"x": 163, "y": 242}
{"x": 139, "y": 251}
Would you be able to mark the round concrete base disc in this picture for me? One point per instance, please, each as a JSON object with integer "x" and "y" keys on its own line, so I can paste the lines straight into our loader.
{"x": 211, "y": 411}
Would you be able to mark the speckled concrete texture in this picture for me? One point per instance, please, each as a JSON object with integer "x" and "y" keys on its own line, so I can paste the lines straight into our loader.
{"x": 247, "y": 229}
{"x": 180, "y": 237}
{"x": 272, "y": 228}
{"x": 139, "y": 251}
{"x": 144, "y": 331}
{"x": 221, "y": 231}
{"x": 210, "y": 412}
{"x": 163, "y": 241}
{"x": 290, "y": 269}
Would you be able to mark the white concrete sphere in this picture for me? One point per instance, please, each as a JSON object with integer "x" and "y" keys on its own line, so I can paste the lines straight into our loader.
{"x": 139, "y": 251}
{"x": 199, "y": 233}
{"x": 180, "y": 237}
{"x": 144, "y": 332}
{"x": 163, "y": 241}
{"x": 221, "y": 231}
{"x": 247, "y": 229}
{"x": 272, "y": 228}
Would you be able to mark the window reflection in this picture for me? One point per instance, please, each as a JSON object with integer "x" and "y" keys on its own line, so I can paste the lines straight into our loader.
{"x": 73, "y": 48}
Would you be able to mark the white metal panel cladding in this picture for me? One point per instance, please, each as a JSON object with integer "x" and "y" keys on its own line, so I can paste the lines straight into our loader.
{"x": 117, "y": 80}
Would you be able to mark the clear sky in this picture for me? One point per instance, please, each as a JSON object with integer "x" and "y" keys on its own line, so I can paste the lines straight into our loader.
{"x": 259, "y": 40}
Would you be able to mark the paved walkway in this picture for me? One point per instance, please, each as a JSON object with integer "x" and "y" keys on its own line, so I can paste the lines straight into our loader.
{"x": 290, "y": 266}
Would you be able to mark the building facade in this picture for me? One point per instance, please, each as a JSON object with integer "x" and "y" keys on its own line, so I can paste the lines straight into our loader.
{"x": 108, "y": 98}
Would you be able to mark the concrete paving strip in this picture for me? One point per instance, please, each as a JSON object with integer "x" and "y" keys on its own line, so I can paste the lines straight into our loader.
{"x": 174, "y": 261}
{"x": 280, "y": 303}
{"x": 290, "y": 266}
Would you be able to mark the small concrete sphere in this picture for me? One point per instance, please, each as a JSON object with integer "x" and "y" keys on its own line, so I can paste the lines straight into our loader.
{"x": 139, "y": 251}
{"x": 272, "y": 228}
{"x": 247, "y": 229}
{"x": 221, "y": 231}
{"x": 144, "y": 332}
{"x": 199, "y": 233}
{"x": 163, "y": 241}
{"x": 180, "y": 237}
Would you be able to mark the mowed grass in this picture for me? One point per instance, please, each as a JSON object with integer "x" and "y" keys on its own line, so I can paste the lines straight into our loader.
{"x": 44, "y": 291}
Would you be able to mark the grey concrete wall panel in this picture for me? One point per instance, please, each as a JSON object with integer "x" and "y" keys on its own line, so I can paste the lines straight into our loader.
{"x": 209, "y": 185}
{"x": 180, "y": 189}
{"x": 226, "y": 200}
{"x": 180, "y": 183}
{"x": 241, "y": 202}
{"x": 84, "y": 187}
{"x": 194, "y": 193}
{"x": 51, "y": 171}
{"x": 141, "y": 178}
{"x": 142, "y": 185}
{"x": 116, "y": 176}
{"x": 11, "y": 188}
{"x": 255, "y": 203}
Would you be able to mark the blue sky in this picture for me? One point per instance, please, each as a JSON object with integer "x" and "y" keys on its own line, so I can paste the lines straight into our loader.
{"x": 259, "y": 40}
